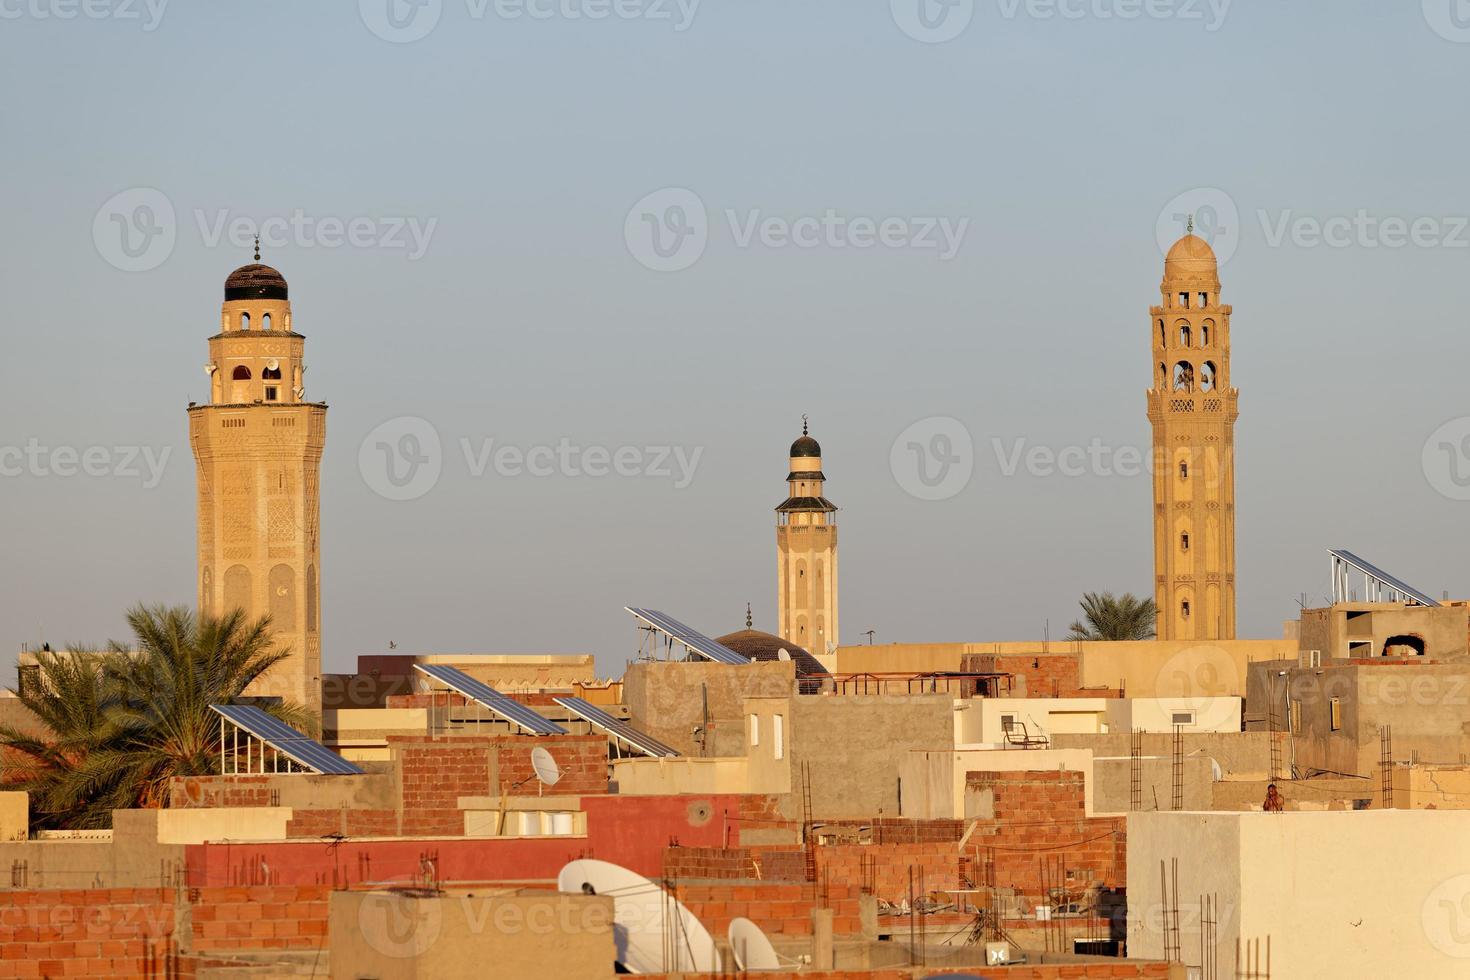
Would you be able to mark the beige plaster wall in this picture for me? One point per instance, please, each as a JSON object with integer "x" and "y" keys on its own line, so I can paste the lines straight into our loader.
{"x": 934, "y": 780}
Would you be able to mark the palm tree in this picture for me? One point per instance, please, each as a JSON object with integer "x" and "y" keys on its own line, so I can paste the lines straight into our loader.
{"x": 120, "y": 724}
{"x": 1110, "y": 617}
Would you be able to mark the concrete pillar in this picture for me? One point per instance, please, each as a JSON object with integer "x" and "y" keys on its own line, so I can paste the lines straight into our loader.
{"x": 822, "y": 955}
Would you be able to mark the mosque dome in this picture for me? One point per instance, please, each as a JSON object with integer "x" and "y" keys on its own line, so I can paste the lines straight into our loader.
{"x": 255, "y": 281}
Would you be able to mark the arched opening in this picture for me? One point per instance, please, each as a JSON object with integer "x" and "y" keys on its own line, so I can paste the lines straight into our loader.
{"x": 1183, "y": 469}
{"x": 1404, "y": 645}
{"x": 265, "y": 322}
{"x": 244, "y": 321}
{"x": 1184, "y": 609}
{"x": 1207, "y": 376}
{"x": 1184, "y": 376}
{"x": 1163, "y": 375}
{"x": 271, "y": 374}
{"x": 1205, "y": 330}
{"x": 237, "y": 589}
{"x": 1184, "y": 541}
{"x": 1163, "y": 335}
{"x": 241, "y": 373}
{"x": 1184, "y": 335}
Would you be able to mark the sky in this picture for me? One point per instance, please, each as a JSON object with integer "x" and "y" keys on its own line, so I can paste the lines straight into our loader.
{"x": 583, "y": 265}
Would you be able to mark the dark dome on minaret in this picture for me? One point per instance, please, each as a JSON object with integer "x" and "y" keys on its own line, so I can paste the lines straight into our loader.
{"x": 805, "y": 447}
{"x": 255, "y": 281}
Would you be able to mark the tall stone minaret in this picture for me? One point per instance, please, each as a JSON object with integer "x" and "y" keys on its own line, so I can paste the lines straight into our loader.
{"x": 1193, "y": 410}
{"x": 806, "y": 553}
{"x": 257, "y": 449}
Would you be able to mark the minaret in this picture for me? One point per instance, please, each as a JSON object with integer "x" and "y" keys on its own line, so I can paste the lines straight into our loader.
{"x": 258, "y": 449}
{"x": 1193, "y": 410}
{"x": 806, "y": 554}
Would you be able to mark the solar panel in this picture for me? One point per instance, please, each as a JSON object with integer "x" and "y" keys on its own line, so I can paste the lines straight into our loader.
{"x": 695, "y": 641}
{"x": 286, "y": 740}
{"x": 1397, "y": 584}
{"x": 616, "y": 727}
{"x": 486, "y": 696}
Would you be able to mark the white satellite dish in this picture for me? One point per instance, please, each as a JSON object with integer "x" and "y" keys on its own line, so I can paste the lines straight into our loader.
{"x": 753, "y": 951}
{"x": 210, "y": 369}
{"x": 783, "y": 654}
{"x": 545, "y": 766}
{"x": 647, "y": 920}
{"x": 273, "y": 365}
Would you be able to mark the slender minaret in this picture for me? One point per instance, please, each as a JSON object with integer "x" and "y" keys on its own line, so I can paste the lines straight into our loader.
{"x": 1193, "y": 410}
{"x": 257, "y": 449}
{"x": 806, "y": 553}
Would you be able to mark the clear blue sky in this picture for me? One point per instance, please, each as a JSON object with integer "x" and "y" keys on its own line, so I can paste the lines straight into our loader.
{"x": 528, "y": 318}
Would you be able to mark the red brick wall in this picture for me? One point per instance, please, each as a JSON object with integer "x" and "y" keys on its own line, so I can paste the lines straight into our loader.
{"x": 1040, "y": 816}
{"x": 259, "y": 918}
{"x": 103, "y": 932}
{"x": 779, "y": 908}
{"x": 1038, "y": 675}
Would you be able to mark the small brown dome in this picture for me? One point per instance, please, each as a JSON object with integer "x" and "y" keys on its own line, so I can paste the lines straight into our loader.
{"x": 806, "y": 446}
{"x": 763, "y": 646}
{"x": 255, "y": 281}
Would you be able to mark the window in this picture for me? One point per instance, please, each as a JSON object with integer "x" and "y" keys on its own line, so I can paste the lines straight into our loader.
{"x": 1163, "y": 335}
{"x": 241, "y": 373}
{"x": 1184, "y": 300}
{"x": 1184, "y": 335}
{"x": 755, "y": 730}
{"x": 1181, "y": 718}
{"x": 265, "y": 322}
{"x": 244, "y": 321}
{"x": 271, "y": 393}
{"x": 1207, "y": 376}
{"x": 1007, "y": 722}
{"x": 778, "y": 736}
{"x": 1334, "y": 713}
{"x": 271, "y": 374}
{"x": 1184, "y": 608}
{"x": 1184, "y": 541}
{"x": 1184, "y": 376}
{"x": 1204, "y": 333}
{"x": 1204, "y": 300}
{"x": 1183, "y": 470}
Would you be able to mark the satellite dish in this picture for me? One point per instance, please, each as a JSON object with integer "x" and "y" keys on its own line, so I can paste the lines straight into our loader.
{"x": 647, "y": 920}
{"x": 210, "y": 369}
{"x": 783, "y": 654}
{"x": 273, "y": 365}
{"x": 753, "y": 951}
{"x": 545, "y": 766}
{"x": 1216, "y": 773}
{"x": 300, "y": 392}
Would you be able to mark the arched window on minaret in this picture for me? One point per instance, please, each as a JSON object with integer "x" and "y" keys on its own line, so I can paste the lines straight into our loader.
{"x": 241, "y": 373}
{"x": 1183, "y": 335}
{"x": 265, "y": 322}
{"x": 1163, "y": 335}
{"x": 1207, "y": 376}
{"x": 244, "y": 321}
{"x": 1204, "y": 333}
{"x": 1184, "y": 376}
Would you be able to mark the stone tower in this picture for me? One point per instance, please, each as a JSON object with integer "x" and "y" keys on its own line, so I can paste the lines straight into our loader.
{"x": 806, "y": 553}
{"x": 1193, "y": 409}
{"x": 258, "y": 449}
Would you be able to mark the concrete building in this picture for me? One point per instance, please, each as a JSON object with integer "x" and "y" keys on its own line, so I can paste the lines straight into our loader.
{"x": 1334, "y": 894}
{"x": 806, "y": 553}
{"x": 1361, "y": 630}
{"x": 1193, "y": 409}
{"x": 257, "y": 448}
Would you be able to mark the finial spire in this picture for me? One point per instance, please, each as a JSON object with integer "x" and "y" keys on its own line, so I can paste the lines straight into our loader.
{"x": 803, "y": 425}
{"x": 1191, "y": 223}
{"x": 749, "y": 623}
{"x": 257, "y": 248}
